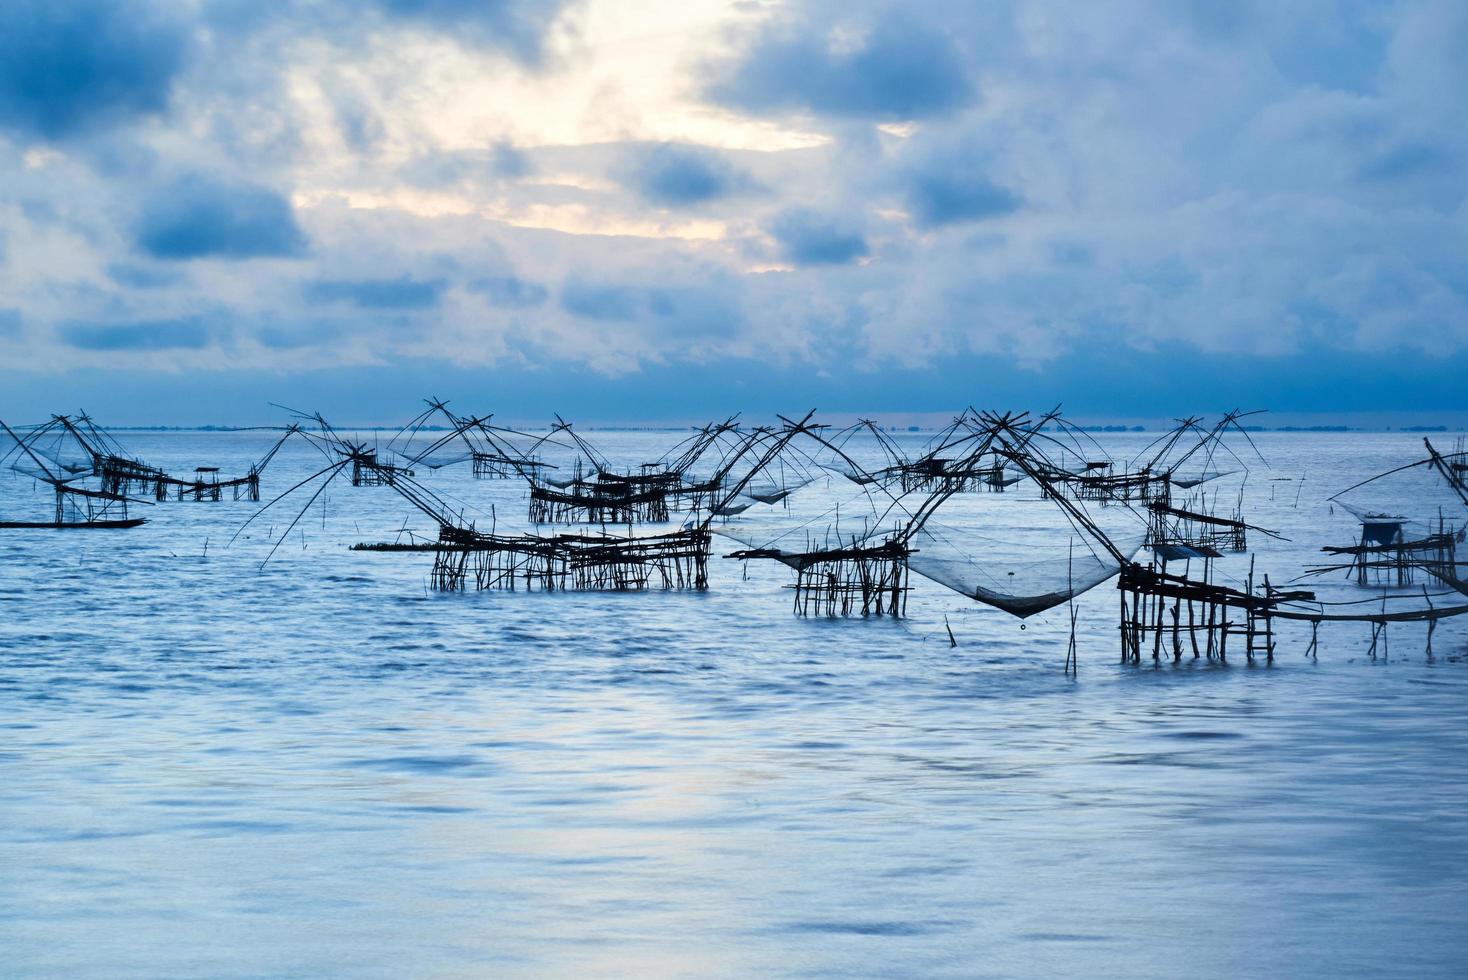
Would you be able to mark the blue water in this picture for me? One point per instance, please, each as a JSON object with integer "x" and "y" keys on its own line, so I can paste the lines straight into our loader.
{"x": 322, "y": 768}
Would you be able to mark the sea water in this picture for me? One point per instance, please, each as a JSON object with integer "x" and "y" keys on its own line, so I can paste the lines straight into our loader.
{"x": 316, "y": 766}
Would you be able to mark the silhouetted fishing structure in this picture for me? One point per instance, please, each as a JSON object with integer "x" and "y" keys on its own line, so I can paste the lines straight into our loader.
{"x": 1200, "y": 528}
{"x": 463, "y": 554}
{"x": 597, "y": 493}
{"x": 491, "y": 449}
{"x": 1017, "y": 512}
{"x": 207, "y": 485}
{"x": 76, "y": 507}
{"x": 671, "y": 560}
{"x": 1150, "y": 478}
{"x": 1385, "y": 557}
{"x": 1161, "y": 612}
{"x": 120, "y": 474}
{"x": 1412, "y": 519}
{"x": 867, "y": 572}
{"x": 946, "y": 462}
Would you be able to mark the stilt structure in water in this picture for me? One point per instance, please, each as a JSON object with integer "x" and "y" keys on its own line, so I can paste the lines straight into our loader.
{"x": 868, "y": 573}
{"x": 1164, "y": 615}
{"x": 1150, "y": 479}
{"x": 76, "y": 507}
{"x": 207, "y": 484}
{"x": 1427, "y": 520}
{"x": 763, "y": 487}
{"x": 596, "y": 493}
{"x": 1385, "y": 558}
{"x": 582, "y": 562}
{"x": 120, "y": 474}
{"x": 492, "y": 451}
{"x": 860, "y": 579}
{"x": 1197, "y": 526}
{"x": 465, "y": 556}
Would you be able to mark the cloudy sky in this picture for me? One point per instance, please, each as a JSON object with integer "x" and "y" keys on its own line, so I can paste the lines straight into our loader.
{"x": 663, "y": 208}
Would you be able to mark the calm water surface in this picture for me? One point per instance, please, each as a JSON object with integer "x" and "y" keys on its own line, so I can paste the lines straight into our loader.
{"x": 322, "y": 768}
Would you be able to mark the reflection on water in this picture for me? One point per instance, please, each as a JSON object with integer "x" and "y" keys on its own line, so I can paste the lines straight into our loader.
{"x": 325, "y": 769}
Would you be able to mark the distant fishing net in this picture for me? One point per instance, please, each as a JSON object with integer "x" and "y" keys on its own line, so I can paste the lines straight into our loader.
{"x": 1421, "y": 494}
{"x": 821, "y": 514}
{"x": 56, "y": 448}
{"x": 413, "y": 456}
{"x": 1189, "y": 479}
{"x": 1021, "y": 556}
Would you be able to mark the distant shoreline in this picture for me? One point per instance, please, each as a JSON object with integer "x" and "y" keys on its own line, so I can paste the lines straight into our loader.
{"x": 1104, "y": 429}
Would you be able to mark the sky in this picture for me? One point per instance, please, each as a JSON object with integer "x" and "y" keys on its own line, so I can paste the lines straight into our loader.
{"x": 648, "y": 209}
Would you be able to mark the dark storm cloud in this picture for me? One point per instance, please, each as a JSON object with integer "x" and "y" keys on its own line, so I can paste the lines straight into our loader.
{"x": 72, "y": 65}
{"x": 809, "y": 237}
{"x": 188, "y": 333}
{"x": 402, "y": 293}
{"x": 947, "y": 192}
{"x": 678, "y": 175}
{"x": 901, "y": 69}
{"x": 198, "y": 217}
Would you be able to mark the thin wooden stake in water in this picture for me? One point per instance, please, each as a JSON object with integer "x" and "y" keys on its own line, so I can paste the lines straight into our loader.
{"x": 1072, "y": 662}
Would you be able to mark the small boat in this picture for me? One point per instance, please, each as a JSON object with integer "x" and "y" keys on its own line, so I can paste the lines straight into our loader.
{"x": 71, "y": 525}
